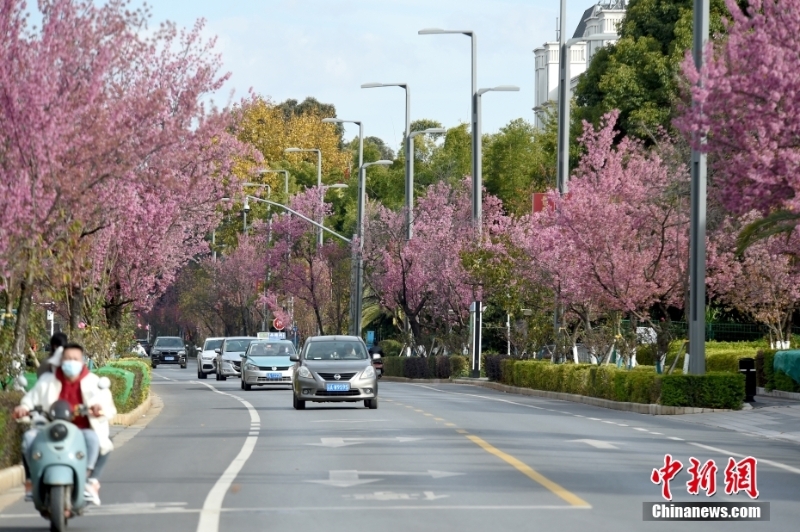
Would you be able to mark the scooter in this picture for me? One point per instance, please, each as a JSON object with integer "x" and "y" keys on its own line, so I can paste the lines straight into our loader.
{"x": 57, "y": 462}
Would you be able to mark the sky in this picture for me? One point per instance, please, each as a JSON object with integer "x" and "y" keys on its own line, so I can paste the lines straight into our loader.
{"x": 328, "y": 48}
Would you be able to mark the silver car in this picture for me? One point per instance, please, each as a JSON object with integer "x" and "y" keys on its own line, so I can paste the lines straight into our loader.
{"x": 267, "y": 363}
{"x": 334, "y": 369}
{"x": 228, "y": 362}
{"x": 206, "y": 357}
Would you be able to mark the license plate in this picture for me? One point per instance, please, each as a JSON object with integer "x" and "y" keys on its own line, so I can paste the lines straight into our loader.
{"x": 169, "y": 358}
{"x": 275, "y": 376}
{"x": 338, "y": 387}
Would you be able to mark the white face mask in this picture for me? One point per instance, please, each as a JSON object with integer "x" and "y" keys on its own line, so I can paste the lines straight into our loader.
{"x": 72, "y": 368}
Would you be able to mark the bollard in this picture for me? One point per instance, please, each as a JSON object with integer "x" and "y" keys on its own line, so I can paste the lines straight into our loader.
{"x": 747, "y": 366}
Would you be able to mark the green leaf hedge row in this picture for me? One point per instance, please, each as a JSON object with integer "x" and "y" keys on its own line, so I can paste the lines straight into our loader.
{"x": 436, "y": 367}
{"x": 10, "y": 430}
{"x": 770, "y": 379}
{"x": 713, "y": 390}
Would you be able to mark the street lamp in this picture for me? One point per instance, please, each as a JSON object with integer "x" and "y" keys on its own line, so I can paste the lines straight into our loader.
{"x": 410, "y": 177}
{"x": 564, "y": 99}
{"x": 285, "y": 177}
{"x": 358, "y": 293}
{"x": 473, "y": 110}
{"x": 408, "y": 148}
{"x": 319, "y": 176}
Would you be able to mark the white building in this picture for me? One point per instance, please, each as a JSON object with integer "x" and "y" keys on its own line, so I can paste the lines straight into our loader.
{"x": 601, "y": 18}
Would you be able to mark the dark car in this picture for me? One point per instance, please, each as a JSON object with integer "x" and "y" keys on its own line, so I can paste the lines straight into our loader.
{"x": 168, "y": 350}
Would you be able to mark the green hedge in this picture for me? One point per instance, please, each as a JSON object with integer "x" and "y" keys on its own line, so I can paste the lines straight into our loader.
{"x": 142, "y": 377}
{"x": 121, "y": 387}
{"x": 438, "y": 367}
{"x": 10, "y": 430}
{"x": 770, "y": 379}
{"x": 712, "y": 390}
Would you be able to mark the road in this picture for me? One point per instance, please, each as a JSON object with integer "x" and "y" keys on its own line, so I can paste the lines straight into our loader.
{"x": 432, "y": 457}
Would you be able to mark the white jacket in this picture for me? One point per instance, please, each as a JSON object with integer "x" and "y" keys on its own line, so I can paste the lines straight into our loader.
{"x": 48, "y": 388}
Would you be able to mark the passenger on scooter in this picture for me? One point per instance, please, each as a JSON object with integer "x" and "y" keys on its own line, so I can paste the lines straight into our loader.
{"x": 71, "y": 381}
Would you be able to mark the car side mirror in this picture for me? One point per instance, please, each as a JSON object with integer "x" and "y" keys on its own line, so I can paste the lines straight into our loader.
{"x": 294, "y": 358}
{"x": 217, "y": 351}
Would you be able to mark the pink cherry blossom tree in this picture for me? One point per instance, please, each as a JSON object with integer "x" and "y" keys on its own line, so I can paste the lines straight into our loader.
{"x": 748, "y": 107}
{"x": 762, "y": 283}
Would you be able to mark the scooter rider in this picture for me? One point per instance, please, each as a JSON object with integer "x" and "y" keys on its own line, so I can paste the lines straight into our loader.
{"x": 71, "y": 381}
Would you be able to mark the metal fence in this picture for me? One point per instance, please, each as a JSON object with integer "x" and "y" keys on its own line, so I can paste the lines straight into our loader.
{"x": 723, "y": 332}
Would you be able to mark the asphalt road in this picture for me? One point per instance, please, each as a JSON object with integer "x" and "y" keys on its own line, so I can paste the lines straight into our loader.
{"x": 432, "y": 457}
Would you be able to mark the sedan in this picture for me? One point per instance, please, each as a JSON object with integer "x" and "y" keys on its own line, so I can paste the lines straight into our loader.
{"x": 267, "y": 363}
{"x": 206, "y": 357}
{"x": 229, "y": 356}
{"x": 334, "y": 369}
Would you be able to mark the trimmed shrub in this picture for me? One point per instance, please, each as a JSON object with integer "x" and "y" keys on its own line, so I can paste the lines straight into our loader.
{"x": 712, "y": 390}
{"x": 393, "y": 366}
{"x": 10, "y": 430}
{"x": 459, "y": 366}
{"x": 492, "y": 366}
{"x": 416, "y": 368}
{"x": 142, "y": 377}
{"x": 121, "y": 386}
{"x": 646, "y": 354}
{"x": 391, "y": 348}
{"x": 507, "y": 371}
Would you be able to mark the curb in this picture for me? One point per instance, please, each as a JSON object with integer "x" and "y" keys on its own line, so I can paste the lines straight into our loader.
{"x": 134, "y": 415}
{"x": 11, "y": 477}
{"x": 777, "y": 393}
{"x": 639, "y": 408}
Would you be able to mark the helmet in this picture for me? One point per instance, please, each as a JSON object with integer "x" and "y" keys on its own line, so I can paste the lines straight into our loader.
{"x": 61, "y": 410}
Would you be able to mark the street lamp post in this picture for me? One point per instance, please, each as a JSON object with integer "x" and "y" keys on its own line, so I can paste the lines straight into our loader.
{"x": 285, "y": 178}
{"x": 358, "y": 293}
{"x": 410, "y": 177}
{"x": 564, "y": 98}
{"x": 246, "y": 206}
{"x": 409, "y": 188}
{"x": 319, "y": 177}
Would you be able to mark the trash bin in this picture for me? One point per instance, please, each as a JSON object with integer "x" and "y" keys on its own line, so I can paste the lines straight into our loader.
{"x": 747, "y": 366}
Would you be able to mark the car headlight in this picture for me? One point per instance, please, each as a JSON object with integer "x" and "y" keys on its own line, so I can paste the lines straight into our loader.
{"x": 368, "y": 373}
{"x": 183, "y": 352}
{"x": 250, "y": 367}
{"x": 155, "y": 352}
{"x": 303, "y": 372}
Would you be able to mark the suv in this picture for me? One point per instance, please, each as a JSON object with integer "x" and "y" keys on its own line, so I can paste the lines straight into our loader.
{"x": 168, "y": 350}
{"x": 206, "y": 356}
{"x": 334, "y": 369}
{"x": 229, "y": 356}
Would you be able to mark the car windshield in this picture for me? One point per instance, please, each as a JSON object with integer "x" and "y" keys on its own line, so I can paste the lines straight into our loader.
{"x": 232, "y": 346}
{"x": 271, "y": 349}
{"x": 336, "y": 350}
{"x": 210, "y": 345}
{"x": 169, "y": 342}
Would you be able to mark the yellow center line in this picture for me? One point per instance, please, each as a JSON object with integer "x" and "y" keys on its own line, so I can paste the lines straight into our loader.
{"x": 438, "y": 419}
{"x": 430, "y": 415}
{"x": 418, "y": 410}
{"x": 528, "y": 471}
{"x": 450, "y": 424}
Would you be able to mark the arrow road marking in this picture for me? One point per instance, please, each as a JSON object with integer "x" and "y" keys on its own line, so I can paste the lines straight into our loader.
{"x": 349, "y": 478}
{"x": 344, "y": 442}
{"x": 391, "y": 496}
{"x": 597, "y": 444}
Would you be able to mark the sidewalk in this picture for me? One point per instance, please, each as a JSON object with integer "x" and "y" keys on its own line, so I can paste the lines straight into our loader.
{"x": 769, "y": 417}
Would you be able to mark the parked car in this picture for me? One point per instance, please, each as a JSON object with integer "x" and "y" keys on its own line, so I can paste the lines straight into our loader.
{"x": 206, "y": 357}
{"x": 168, "y": 350}
{"x": 267, "y": 363}
{"x": 228, "y": 360}
{"x": 334, "y": 369}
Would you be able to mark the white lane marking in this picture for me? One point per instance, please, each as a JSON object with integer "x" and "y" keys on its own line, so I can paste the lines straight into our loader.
{"x": 760, "y": 460}
{"x": 675, "y": 438}
{"x": 209, "y": 515}
{"x": 577, "y": 415}
{"x": 350, "y": 478}
{"x": 347, "y": 420}
{"x": 610, "y": 422}
{"x": 162, "y": 377}
{"x": 598, "y": 444}
{"x": 657, "y": 433}
{"x": 622, "y": 424}
{"x": 392, "y": 496}
{"x": 344, "y": 442}
{"x": 482, "y": 397}
{"x": 642, "y": 430}
{"x": 595, "y": 419}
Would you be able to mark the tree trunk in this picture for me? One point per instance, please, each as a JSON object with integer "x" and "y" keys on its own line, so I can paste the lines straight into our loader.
{"x": 23, "y": 316}
{"x": 75, "y": 302}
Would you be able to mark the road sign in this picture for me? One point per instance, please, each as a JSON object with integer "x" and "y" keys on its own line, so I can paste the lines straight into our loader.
{"x": 278, "y": 324}
{"x": 370, "y": 337}
{"x": 50, "y": 315}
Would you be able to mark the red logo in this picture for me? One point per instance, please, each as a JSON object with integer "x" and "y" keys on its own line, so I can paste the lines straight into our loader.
{"x": 665, "y": 474}
{"x": 278, "y": 324}
{"x": 704, "y": 477}
{"x": 741, "y": 476}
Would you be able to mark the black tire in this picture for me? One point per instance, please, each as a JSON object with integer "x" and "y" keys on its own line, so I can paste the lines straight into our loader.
{"x": 223, "y": 378}
{"x": 155, "y": 366}
{"x": 373, "y": 404}
{"x": 201, "y": 374}
{"x": 58, "y": 505}
{"x": 183, "y": 366}
{"x": 246, "y": 387}
{"x": 298, "y": 404}
{"x": 366, "y": 403}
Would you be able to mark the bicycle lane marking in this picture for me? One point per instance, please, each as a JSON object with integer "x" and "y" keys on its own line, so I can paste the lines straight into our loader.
{"x": 212, "y": 507}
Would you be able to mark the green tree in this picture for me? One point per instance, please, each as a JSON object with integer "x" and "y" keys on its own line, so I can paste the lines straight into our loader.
{"x": 639, "y": 73}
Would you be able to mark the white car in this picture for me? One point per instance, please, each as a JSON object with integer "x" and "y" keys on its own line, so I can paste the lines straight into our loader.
{"x": 206, "y": 357}
{"x": 229, "y": 356}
